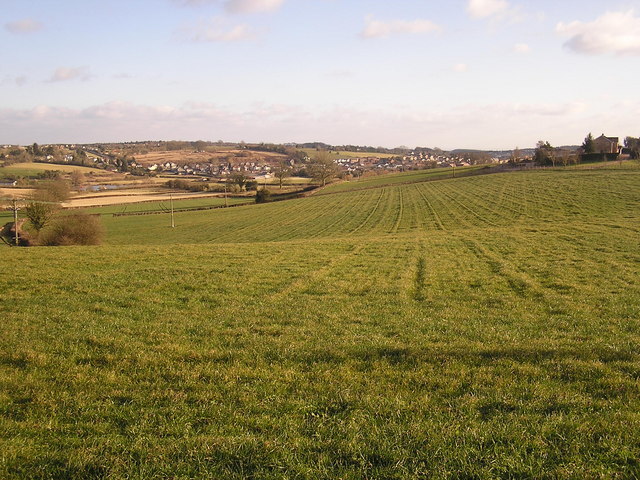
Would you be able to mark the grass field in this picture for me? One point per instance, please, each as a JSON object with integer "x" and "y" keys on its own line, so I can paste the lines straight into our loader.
{"x": 414, "y": 176}
{"x": 344, "y": 154}
{"x": 30, "y": 169}
{"x": 165, "y": 206}
{"x": 481, "y": 327}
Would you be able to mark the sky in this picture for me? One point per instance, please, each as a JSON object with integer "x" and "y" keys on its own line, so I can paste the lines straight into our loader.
{"x": 485, "y": 74}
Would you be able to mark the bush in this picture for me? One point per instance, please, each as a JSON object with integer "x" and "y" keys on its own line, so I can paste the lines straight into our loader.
{"x": 188, "y": 186}
{"x": 52, "y": 191}
{"x": 75, "y": 229}
{"x": 263, "y": 196}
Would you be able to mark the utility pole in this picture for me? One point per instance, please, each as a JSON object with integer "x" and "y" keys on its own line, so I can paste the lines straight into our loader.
{"x": 226, "y": 204}
{"x": 173, "y": 224}
{"x": 15, "y": 220}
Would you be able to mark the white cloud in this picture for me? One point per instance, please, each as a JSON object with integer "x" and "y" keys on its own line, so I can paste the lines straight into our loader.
{"x": 545, "y": 109}
{"x": 194, "y": 3}
{"x": 238, "y": 6}
{"x": 486, "y": 8}
{"x": 499, "y": 125}
{"x": 19, "y": 80}
{"x": 461, "y": 67}
{"x": 217, "y": 30}
{"x": 252, "y": 6}
{"x": 380, "y": 29}
{"x": 521, "y": 48}
{"x": 614, "y": 32}
{"x": 26, "y": 25}
{"x": 63, "y": 74}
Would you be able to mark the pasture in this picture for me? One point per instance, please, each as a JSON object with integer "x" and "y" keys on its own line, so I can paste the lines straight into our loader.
{"x": 164, "y": 205}
{"x": 414, "y": 176}
{"x": 480, "y": 327}
{"x": 336, "y": 154}
{"x": 29, "y": 169}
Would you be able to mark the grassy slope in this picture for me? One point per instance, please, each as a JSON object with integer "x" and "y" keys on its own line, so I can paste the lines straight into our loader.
{"x": 495, "y": 201}
{"x": 414, "y": 176}
{"x": 166, "y": 205}
{"x": 344, "y": 154}
{"x": 476, "y": 328}
{"x": 33, "y": 168}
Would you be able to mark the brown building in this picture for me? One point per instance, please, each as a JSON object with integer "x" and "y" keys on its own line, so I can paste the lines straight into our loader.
{"x": 604, "y": 144}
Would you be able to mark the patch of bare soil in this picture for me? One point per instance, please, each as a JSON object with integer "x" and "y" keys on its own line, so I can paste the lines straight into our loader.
{"x": 118, "y": 199}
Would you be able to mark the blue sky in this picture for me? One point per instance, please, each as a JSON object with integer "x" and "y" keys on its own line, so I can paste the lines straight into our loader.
{"x": 452, "y": 74}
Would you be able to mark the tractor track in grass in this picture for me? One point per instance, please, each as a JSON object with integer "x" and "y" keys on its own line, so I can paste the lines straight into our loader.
{"x": 348, "y": 212}
{"x": 373, "y": 211}
{"x": 249, "y": 225}
{"x": 474, "y": 196}
{"x": 439, "y": 224}
{"x": 475, "y": 214}
{"x": 521, "y": 283}
{"x": 317, "y": 274}
{"x": 454, "y": 214}
{"x": 396, "y": 226}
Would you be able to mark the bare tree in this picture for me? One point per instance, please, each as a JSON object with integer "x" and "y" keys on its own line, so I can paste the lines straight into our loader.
{"x": 53, "y": 191}
{"x": 322, "y": 168}
{"x": 281, "y": 172}
{"x": 77, "y": 178}
{"x": 239, "y": 178}
{"x": 515, "y": 155}
{"x": 45, "y": 203}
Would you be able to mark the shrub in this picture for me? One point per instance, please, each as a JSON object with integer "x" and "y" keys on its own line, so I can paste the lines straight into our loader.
{"x": 75, "y": 229}
{"x": 188, "y": 186}
{"x": 40, "y": 214}
{"x": 52, "y": 191}
{"x": 263, "y": 196}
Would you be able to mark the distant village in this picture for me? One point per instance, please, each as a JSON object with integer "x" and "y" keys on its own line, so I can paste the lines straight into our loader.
{"x": 352, "y": 160}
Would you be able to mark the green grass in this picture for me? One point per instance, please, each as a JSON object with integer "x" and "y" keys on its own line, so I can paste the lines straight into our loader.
{"x": 165, "y": 206}
{"x": 32, "y": 169}
{"x": 505, "y": 201}
{"x": 414, "y": 176}
{"x": 484, "y": 327}
{"x": 344, "y": 154}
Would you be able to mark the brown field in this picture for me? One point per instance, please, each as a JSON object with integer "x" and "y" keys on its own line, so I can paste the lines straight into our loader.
{"x": 182, "y": 157}
{"x": 102, "y": 199}
{"x": 15, "y": 192}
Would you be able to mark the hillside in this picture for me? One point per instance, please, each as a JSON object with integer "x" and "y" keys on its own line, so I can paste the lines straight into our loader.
{"x": 480, "y": 327}
{"x": 502, "y": 201}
